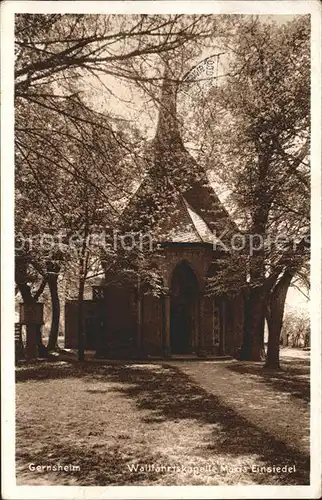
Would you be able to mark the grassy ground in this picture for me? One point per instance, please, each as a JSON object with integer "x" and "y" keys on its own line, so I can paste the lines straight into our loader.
{"x": 213, "y": 420}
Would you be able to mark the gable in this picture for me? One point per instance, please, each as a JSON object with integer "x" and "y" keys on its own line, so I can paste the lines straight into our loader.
{"x": 175, "y": 201}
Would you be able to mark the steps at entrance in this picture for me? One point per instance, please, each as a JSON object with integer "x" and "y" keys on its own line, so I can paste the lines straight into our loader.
{"x": 190, "y": 357}
{"x": 71, "y": 354}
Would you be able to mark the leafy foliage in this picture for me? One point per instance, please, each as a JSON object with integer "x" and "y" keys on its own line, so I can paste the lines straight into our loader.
{"x": 256, "y": 125}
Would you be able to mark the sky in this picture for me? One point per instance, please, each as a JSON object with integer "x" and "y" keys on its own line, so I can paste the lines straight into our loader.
{"x": 296, "y": 302}
{"x": 128, "y": 101}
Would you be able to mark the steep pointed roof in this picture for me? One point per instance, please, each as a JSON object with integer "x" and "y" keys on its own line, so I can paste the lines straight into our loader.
{"x": 167, "y": 135}
{"x": 175, "y": 200}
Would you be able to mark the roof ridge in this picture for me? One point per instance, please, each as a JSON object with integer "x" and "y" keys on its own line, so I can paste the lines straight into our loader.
{"x": 186, "y": 204}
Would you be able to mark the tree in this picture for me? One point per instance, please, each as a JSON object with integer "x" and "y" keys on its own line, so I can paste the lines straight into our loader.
{"x": 296, "y": 329}
{"x": 258, "y": 120}
{"x": 57, "y": 128}
{"x": 26, "y": 280}
{"x": 69, "y": 201}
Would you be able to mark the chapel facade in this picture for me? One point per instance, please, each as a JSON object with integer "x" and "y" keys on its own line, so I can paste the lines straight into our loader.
{"x": 177, "y": 209}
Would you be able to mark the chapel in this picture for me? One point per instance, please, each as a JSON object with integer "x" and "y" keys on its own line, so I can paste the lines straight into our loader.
{"x": 176, "y": 210}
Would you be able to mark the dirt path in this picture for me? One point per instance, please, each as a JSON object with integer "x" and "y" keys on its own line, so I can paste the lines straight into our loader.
{"x": 254, "y": 396}
{"x": 197, "y": 423}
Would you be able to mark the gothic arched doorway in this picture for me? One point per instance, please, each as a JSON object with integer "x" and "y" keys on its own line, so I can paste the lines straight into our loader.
{"x": 184, "y": 309}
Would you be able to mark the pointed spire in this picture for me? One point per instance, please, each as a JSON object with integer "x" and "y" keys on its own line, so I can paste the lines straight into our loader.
{"x": 167, "y": 131}
{"x": 175, "y": 182}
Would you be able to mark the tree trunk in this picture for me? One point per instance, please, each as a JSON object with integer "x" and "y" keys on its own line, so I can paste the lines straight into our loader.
{"x": 273, "y": 348}
{"x": 25, "y": 292}
{"x": 307, "y": 338}
{"x": 253, "y": 341}
{"x": 55, "y": 311}
{"x": 285, "y": 337}
{"x": 80, "y": 328}
{"x": 274, "y": 315}
{"x": 255, "y": 302}
{"x": 42, "y": 349}
{"x": 83, "y": 268}
{"x": 29, "y": 298}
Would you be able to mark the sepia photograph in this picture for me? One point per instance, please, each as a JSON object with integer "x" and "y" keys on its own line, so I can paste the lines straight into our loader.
{"x": 164, "y": 301}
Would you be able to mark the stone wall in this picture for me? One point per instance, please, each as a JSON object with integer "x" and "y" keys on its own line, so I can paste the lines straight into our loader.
{"x": 124, "y": 331}
{"x": 235, "y": 325}
{"x": 152, "y": 325}
{"x": 91, "y": 325}
{"x": 210, "y": 324}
